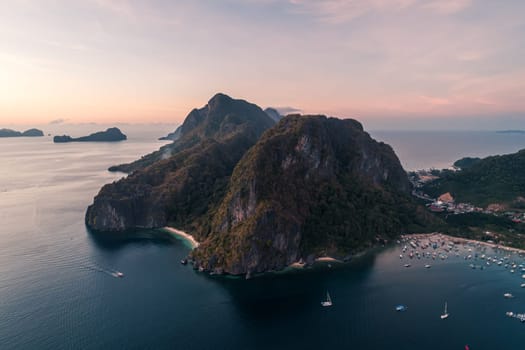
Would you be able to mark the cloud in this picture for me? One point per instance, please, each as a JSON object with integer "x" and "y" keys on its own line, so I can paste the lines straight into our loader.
{"x": 287, "y": 110}
{"x": 337, "y": 11}
{"x": 58, "y": 121}
{"x": 447, "y": 6}
{"x": 435, "y": 101}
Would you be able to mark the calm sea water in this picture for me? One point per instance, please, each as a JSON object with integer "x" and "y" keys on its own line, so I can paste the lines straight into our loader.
{"x": 58, "y": 291}
{"x": 440, "y": 149}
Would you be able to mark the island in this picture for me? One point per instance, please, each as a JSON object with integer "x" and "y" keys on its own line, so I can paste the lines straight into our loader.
{"x": 259, "y": 195}
{"x": 27, "y": 133}
{"x": 110, "y": 135}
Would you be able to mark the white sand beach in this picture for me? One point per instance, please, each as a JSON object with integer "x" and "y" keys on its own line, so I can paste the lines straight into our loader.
{"x": 187, "y": 237}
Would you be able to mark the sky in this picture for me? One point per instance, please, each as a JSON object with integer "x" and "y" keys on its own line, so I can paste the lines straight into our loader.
{"x": 388, "y": 63}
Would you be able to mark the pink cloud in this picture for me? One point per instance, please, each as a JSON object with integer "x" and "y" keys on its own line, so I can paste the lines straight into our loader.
{"x": 447, "y": 6}
{"x": 337, "y": 11}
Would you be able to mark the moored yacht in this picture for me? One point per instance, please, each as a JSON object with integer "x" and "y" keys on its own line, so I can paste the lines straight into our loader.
{"x": 328, "y": 301}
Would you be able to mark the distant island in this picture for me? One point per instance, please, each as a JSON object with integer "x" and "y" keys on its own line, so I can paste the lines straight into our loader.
{"x": 511, "y": 131}
{"x": 110, "y": 135}
{"x": 259, "y": 194}
{"x": 27, "y": 133}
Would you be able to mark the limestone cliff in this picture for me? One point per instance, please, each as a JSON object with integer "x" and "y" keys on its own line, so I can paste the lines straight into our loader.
{"x": 183, "y": 182}
{"x": 311, "y": 186}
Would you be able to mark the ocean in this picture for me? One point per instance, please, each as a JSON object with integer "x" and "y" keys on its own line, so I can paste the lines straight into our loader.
{"x": 58, "y": 288}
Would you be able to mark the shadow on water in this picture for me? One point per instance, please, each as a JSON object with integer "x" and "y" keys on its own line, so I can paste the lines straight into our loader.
{"x": 277, "y": 295}
{"x": 117, "y": 241}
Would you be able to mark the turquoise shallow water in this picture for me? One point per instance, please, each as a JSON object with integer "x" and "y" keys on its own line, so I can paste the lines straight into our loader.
{"x": 57, "y": 290}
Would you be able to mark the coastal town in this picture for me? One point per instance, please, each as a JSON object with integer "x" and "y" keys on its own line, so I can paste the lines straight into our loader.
{"x": 446, "y": 203}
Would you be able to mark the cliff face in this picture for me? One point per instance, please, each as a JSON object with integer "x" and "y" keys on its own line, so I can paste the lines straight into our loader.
{"x": 311, "y": 186}
{"x": 221, "y": 119}
{"x": 183, "y": 182}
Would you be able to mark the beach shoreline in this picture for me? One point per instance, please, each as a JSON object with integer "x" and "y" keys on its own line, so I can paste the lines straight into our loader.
{"x": 181, "y": 234}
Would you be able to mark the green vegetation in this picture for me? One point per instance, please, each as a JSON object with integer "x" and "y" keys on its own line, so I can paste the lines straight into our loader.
{"x": 485, "y": 227}
{"x": 496, "y": 179}
{"x": 182, "y": 183}
{"x": 311, "y": 186}
{"x": 222, "y": 119}
{"x": 466, "y": 162}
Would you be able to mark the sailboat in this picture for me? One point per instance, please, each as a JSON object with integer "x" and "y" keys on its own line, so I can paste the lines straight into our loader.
{"x": 328, "y": 301}
{"x": 445, "y": 313}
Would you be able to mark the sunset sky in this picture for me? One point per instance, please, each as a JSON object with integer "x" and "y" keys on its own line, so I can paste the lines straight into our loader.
{"x": 388, "y": 63}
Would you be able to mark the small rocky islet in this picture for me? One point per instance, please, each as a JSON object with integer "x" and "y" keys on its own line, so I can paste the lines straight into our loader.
{"x": 28, "y": 133}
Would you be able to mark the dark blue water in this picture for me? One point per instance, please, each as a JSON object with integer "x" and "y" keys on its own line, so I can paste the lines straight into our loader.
{"x": 58, "y": 291}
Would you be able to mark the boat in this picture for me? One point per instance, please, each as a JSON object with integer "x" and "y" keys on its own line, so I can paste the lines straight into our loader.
{"x": 406, "y": 265}
{"x": 508, "y": 296}
{"x": 401, "y": 307}
{"x": 427, "y": 266}
{"x": 184, "y": 261}
{"x": 328, "y": 301}
{"x": 445, "y": 313}
{"x": 119, "y": 274}
{"x": 522, "y": 285}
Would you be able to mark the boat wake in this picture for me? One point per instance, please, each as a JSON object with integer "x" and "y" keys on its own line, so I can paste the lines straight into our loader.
{"x": 109, "y": 272}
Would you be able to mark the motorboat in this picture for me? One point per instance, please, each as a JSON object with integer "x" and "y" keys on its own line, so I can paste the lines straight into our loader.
{"x": 445, "y": 312}
{"x": 401, "y": 307}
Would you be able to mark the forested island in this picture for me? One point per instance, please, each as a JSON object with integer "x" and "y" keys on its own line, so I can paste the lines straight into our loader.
{"x": 260, "y": 194}
{"x": 110, "y": 135}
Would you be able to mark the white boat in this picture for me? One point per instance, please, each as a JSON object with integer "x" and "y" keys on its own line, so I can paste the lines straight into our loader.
{"x": 522, "y": 285}
{"x": 328, "y": 301}
{"x": 445, "y": 313}
{"x": 120, "y": 274}
{"x": 401, "y": 307}
{"x": 508, "y": 295}
{"x": 427, "y": 266}
{"x": 406, "y": 265}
